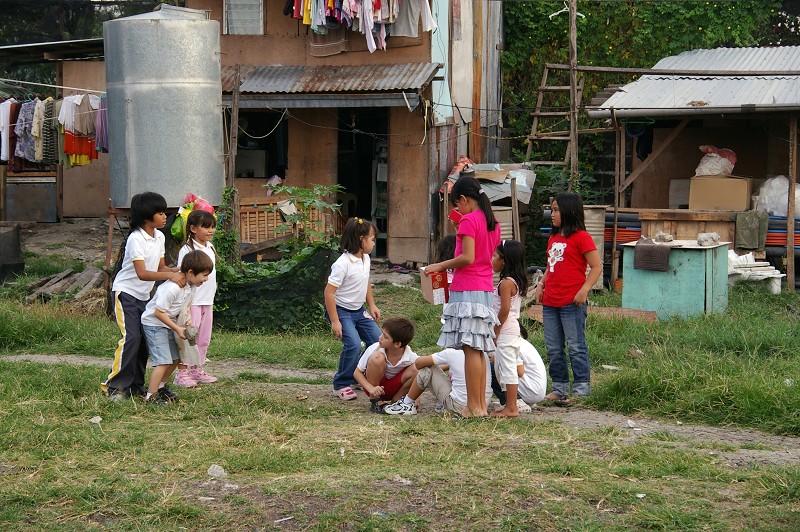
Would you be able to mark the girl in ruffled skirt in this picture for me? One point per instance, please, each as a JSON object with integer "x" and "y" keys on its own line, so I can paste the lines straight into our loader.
{"x": 468, "y": 318}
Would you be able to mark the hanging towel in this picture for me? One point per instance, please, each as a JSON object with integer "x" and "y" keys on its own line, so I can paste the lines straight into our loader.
{"x": 751, "y": 229}
{"x": 651, "y": 256}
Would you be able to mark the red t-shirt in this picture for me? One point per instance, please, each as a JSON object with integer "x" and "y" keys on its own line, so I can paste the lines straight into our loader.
{"x": 478, "y": 275}
{"x": 566, "y": 267}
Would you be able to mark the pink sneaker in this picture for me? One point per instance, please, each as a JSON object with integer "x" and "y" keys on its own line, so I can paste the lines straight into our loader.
{"x": 184, "y": 379}
{"x": 200, "y": 376}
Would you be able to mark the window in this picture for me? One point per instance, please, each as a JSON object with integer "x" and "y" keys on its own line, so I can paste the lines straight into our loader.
{"x": 243, "y": 17}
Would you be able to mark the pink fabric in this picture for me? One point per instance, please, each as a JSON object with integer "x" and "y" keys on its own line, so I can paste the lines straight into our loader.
{"x": 203, "y": 319}
{"x": 478, "y": 275}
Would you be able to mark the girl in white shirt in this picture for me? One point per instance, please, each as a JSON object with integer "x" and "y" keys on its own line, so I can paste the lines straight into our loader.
{"x": 347, "y": 290}
{"x": 200, "y": 226}
{"x": 509, "y": 260}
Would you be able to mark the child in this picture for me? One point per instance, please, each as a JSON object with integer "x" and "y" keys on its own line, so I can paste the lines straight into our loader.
{"x": 563, "y": 292}
{"x": 533, "y": 381}
{"x": 446, "y": 250}
{"x": 386, "y": 369}
{"x": 347, "y": 289}
{"x": 200, "y": 227}
{"x": 449, "y": 390}
{"x": 508, "y": 260}
{"x": 468, "y": 316}
{"x": 158, "y": 322}
{"x": 142, "y": 265}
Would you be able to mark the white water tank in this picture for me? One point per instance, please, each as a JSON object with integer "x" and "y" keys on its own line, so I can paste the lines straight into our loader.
{"x": 164, "y": 106}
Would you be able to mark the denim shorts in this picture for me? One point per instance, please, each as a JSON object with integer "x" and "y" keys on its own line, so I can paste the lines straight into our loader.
{"x": 161, "y": 345}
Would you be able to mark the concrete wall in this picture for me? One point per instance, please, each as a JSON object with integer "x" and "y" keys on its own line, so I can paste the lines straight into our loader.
{"x": 86, "y": 189}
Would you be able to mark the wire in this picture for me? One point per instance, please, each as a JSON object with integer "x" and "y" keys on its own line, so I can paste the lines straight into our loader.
{"x": 53, "y": 86}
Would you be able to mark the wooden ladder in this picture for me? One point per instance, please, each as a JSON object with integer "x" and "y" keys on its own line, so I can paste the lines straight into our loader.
{"x": 550, "y": 118}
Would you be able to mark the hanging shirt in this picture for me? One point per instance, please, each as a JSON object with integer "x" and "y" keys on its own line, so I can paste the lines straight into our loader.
{"x": 25, "y": 141}
{"x": 5, "y": 127}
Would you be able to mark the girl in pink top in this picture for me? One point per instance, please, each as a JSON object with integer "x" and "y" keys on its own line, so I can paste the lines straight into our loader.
{"x": 468, "y": 316}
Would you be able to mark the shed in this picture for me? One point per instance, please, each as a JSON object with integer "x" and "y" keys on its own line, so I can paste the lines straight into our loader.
{"x": 744, "y": 99}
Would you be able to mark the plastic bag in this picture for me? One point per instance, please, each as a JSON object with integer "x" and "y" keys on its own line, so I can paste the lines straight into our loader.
{"x": 716, "y": 161}
{"x": 773, "y": 197}
{"x": 190, "y": 203}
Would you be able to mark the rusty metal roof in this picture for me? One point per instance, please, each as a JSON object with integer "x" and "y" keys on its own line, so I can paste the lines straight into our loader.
{"x": 330, "y": 79}
{"x": 682, "y": 95}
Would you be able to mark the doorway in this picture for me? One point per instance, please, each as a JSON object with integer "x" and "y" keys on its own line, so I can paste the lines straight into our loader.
{"x": 362, "y": 156}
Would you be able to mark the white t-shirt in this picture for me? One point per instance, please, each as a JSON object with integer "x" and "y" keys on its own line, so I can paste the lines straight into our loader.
{"x": 169, "y": 298}
{"x": 533, "y": 384}
{"x": 5, "y": 130}
{"x": 454, "y": 358}
{"x": 392, "y": 370}
{"x": 350, "y": 276}
{"x": 203, "y": 294}
{"x": 140, "y": 246}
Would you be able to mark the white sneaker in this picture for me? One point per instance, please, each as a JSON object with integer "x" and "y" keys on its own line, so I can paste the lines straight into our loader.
{"x": 523, "y": 407}
{"x": 400, "y": 408}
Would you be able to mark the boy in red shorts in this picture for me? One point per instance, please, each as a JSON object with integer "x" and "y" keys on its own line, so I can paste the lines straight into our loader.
{"x": 386, "y": 369}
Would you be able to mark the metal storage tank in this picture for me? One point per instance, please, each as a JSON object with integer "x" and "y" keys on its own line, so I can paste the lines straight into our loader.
{"x": 164, "y": 106}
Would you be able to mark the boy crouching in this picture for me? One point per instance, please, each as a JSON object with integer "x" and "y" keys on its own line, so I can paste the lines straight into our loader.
{"x": 386, "y": 369}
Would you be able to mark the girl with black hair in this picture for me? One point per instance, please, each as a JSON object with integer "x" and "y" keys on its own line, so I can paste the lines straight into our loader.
{"x": 509, "y": 261}
{"x": 142, "y": 265}
{"x": 563, "y": 293}
{"x": 468, "y": 318}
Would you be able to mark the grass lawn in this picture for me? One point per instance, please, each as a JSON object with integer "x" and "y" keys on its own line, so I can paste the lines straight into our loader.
{"x": 318, "y": 464}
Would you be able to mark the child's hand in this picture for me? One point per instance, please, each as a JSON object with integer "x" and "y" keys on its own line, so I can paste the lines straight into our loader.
{"x": 336, "y": 327}
{"x": 376, "y": 313}
{"x": 537, "y": 294}
{"x": 581, "y": 297}
{"x": 376, "y": 392}
{"x": 181, "y": 332}
{"x": 433, "y": 268}
{"x": 178, "y": 278}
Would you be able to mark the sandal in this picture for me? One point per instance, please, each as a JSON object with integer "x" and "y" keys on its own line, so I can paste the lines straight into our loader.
{"x": 345, "y": 394}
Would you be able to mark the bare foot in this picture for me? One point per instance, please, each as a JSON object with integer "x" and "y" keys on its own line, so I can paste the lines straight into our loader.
{"x": 506, "y": 412}
{"x": 466, "y": 412}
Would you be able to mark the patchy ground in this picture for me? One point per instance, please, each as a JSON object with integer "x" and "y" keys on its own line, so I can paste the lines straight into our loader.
{"x": 736, "y": 447}
{"x": 85, "y": 239}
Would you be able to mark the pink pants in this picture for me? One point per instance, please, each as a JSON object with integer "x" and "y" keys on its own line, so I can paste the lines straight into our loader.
{"x": 202, "y": 318}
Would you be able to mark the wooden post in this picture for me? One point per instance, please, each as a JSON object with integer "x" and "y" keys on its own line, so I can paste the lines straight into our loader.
{"x": 3, "y": 215}
{"x": 515, "y": 211}
{"x": 617, "y": 180}
{"x": 573, "y": 94}
{"x": 233, "y": 144}
{"x": 790, "y": 212}
{"x": 477, "y": 141}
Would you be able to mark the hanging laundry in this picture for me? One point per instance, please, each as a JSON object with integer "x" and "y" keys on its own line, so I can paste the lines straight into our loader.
{"x": 5, "y": 128}
{"x": 25, "y": 142}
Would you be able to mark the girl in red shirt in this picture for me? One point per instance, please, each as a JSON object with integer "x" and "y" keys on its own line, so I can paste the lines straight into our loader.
{"x": 564, "y": 293}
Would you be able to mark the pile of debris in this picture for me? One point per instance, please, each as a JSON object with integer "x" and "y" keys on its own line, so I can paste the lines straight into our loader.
{"x": 68, "y": 285}
{"x": 746, "y": 268}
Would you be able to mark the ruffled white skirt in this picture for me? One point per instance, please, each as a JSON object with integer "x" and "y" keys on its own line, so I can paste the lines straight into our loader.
{"x": 468, "y": 319}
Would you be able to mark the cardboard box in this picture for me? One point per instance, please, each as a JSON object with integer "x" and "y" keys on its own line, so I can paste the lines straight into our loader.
{"x": 720, "y": 193}
{"x": 435, "y": 288}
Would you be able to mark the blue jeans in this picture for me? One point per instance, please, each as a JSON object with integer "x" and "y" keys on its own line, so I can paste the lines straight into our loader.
{"x": 355, "y": 328}
{"x": 567, "y": 325}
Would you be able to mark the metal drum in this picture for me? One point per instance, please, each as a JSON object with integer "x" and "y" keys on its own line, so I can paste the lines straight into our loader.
{"x": 164, "y": 106}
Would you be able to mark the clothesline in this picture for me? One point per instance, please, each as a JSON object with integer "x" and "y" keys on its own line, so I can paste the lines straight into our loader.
{"x": 52, "y": 86}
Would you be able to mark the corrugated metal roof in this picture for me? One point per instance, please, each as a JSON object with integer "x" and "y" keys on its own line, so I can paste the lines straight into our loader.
{"x": 663, "y": 95}
{"x": 330, "y": 79}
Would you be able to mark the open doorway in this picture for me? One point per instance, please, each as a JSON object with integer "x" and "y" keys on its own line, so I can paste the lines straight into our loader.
{"x": 362, "y": 172}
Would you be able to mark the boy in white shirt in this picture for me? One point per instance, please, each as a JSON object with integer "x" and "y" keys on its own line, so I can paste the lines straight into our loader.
{"x": 158, "y": 322}
{"x": 386, "y": 369}
{"x": 450, "y": 391}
